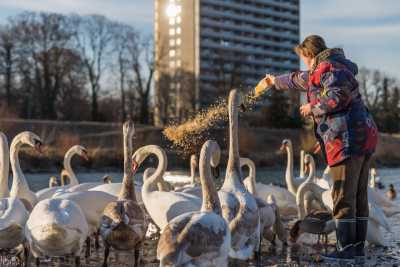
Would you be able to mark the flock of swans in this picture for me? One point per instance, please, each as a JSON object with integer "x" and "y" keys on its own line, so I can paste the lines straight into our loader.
{"x": 198, "y": 224}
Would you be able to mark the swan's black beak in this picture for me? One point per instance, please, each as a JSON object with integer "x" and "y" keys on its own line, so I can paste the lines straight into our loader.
{"x": 135, "y": 166}
{"x": 39, "y": 146}
{"x": 215, "y": 172}
{"x": 85, "y": 155}
{"x": 242, "y": 108}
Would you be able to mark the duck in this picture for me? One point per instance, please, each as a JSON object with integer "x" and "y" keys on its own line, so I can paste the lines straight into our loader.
{"x": 13, "y": 213}
{"x": 20, "y": 188}
{"x": 376, "y": 217}
{"x": 123, "y": 224}
{"x": 199, "y": 238}
{"x": 239, "y": 207}
{"x": 56, "y": 227}
{"x": 107, "y": 179}
{"x": 391, "y": 193}
{"x": 49, "y": 192}
{"x": 318, "y": 222}
{"x": 268, "y": 209}
{"x": 53, "y": 182}
{"x": 162, "y": 206}
{"x": 375, "y": 181}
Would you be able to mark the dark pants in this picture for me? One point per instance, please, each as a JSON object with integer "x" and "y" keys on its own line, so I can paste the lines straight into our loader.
{"x": 350, "y": 188}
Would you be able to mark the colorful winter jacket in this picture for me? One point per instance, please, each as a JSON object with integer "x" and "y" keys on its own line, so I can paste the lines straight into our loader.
{"x": 343, "y": 125}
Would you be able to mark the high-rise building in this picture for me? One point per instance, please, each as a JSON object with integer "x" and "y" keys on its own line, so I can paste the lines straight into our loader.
{"x": 206, "y": 47}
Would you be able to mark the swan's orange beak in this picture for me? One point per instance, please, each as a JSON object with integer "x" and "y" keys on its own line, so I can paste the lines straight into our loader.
{"x": 135, "y": 166}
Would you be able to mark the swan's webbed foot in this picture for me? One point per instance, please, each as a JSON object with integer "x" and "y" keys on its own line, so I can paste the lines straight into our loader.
{"x": 96, "y": 240}
{"x": 87, "y": 252}
{"x": 106, "y": 254}
{"x": 137, "y": 257}
{"x": 77, "y": 261}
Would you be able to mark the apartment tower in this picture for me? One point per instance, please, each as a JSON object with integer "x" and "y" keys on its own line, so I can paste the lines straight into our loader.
{"x": 206, "y": 47}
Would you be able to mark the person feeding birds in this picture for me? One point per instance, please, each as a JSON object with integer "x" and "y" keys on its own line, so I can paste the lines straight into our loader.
{"x": 346, "y": 133}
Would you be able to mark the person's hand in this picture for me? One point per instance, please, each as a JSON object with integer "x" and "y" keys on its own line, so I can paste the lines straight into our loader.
{"x": 265, "y": 83}
{"x": 269, "y": 79}
{"x": 317, "y": 148}
{"x": 305, "y": 110}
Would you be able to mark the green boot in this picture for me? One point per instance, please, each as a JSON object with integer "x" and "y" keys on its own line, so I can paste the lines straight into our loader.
{"x": 345, "y": 237}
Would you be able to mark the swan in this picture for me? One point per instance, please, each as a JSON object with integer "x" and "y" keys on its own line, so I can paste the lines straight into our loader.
{"x": 376, "y": 217}
{"x": 162, "y": 206}
{"x": 178, "y": 180}
{"x": 4, "y": 166}
{"x": 13, "y": 214}
{"x": 291, "y": 182}
{"x": 49, "y": 192}
{"x": 123, "y": 225}
{"x": 64, "y": 175}
{"x": 268, "y": 209}
{"x": 239, "y": 207}
{"x": 200, "y": 238}
{"x": 56, "y": 227}
{"x": 20, "y": 188}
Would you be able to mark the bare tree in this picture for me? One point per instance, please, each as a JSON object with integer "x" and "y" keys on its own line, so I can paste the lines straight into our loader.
{"x": 93, "y": 36}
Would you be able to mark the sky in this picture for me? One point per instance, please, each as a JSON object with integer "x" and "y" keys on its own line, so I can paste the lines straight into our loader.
{"x": 368, "y": 30}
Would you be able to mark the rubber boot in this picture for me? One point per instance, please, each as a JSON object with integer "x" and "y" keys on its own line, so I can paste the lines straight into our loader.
{"x": 345, "y": 237}
{"x": 359, "y": 244}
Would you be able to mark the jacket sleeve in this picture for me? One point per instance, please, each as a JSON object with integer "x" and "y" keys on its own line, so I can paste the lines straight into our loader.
{"x": 292, "y": 81}
{"x": 335, "y": 95}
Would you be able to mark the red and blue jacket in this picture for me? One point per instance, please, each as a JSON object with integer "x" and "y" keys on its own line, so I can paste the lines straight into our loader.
{"x": 343, "y": 125}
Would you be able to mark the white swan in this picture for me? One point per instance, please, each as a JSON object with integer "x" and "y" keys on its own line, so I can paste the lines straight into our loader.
{"x": 199, "y": 238}
{"x": 49, "y": 192}
{"x": 53, "y": 182}
{"x": 56, "y": 227}
{"x": 123, "y": 225}
{"x": 285, "y": 200}
{"x": 292, "y": 182}
{"x": 269, "y": 210}
{"x": 239, "y": 208}
{"x": 4, "y": 166}
{"x": 20, "y": 187}
{"x": 162, "y": 206}
{"x": 376, "y": 217}
{"x": 13, "y": 214}
{"x": 178, "y": 179}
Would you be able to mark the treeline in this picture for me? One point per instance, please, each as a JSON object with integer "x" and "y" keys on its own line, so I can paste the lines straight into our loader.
{"x": 381, "y": 95}
{"x": 73, "y": 67}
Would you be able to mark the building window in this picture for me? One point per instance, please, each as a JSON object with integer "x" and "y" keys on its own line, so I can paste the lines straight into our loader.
{"x": 172, "y": 21}
{"x": 172, "y": 53}
{"x": 178, "y": 19}
{"x": 178, "y": 41}
{"x": 178, "y": 64}
{"x": 172, "y": 32}
{"x": 172, "y": 64}
{"x": 172, "y": 42}
{"x": 178, "y": 30}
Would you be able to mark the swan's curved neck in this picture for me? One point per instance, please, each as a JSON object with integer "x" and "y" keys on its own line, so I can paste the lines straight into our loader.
{"x": 289, "y": 170}
{"x": 193, "y": 172}
{"x": 311, "y": 174}
{"x": 210, "y": 196}
{"x": 233, "y": 171}
{"x": 303, "y": 189}
{"x": 4, "y": 166}
{"x": 150, "y": 184}
{"x": 128, "y": 185}
{"x": 250, "y": 181}
{"x": 19, "y": 183}
{"x": 67, "y": 166}
{"x": 302, "y": 153}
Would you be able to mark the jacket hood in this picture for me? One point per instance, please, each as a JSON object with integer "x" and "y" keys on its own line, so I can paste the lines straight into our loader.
{"x": 336, "y": 55}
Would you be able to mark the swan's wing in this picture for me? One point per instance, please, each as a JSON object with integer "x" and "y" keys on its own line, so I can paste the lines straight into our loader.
{"x": 374, "y": 234}
{"x": 12, "y": 211}
{"x": 229, "y": 204}
{"x": 377, "y": 215}
{"x": 83, "y": 187}
{"x": 201, "y": 236}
